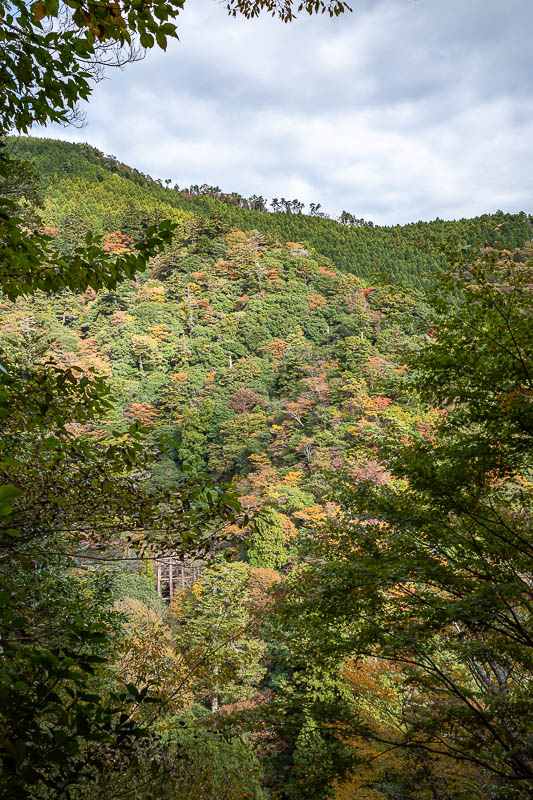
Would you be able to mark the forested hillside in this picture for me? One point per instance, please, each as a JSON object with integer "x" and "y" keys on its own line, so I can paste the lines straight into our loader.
{"x": 265, "y": 476}
{"x": 260, "y": 361}
{"x": 406, "y": 254}
{"x": 265, "y": 499}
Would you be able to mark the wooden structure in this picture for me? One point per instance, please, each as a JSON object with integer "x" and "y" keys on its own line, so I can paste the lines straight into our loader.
{"x": 174, "y": 574}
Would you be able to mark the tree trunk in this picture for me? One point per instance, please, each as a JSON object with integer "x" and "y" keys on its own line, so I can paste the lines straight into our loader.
{"x": 214, "y": 698}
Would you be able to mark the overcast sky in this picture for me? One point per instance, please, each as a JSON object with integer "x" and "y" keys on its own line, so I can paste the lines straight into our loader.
{"x": 403, "y": 110}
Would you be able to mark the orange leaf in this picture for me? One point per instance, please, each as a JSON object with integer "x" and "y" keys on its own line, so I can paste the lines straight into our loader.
{"x": 39, "y": 11}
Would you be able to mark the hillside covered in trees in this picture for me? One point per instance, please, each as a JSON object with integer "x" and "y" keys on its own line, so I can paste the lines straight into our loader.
{"x": 265, "y": 476}
{"x": 266, "y": 528}
{"x": 113, "y": 193}
{"x": 255, "y": 356}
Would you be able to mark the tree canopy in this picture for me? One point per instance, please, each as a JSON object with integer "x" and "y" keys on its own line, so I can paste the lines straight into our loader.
{"x": 340, "y": 458}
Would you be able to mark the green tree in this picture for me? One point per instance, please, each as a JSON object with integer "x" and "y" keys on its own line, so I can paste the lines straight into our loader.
{"x": 64, "y": 496}
{"x": 61, "y": 488}
{"x": 218, "y": 636}
{"x": 239, "y": 436}
{"x": 145, "y": 350}
{"x": 268, "y": 542}
{"x": 432, "y": 569}
{"x": 194, "y": 436}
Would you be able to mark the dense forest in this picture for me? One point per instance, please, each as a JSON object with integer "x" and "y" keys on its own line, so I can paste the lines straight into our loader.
{"x": 313, "y": 403}
{"x": 266, "y": 479}
{"x": 401, "y": 254}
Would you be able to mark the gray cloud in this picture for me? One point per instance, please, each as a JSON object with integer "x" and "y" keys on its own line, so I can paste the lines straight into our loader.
{"x": 405, "y": 110}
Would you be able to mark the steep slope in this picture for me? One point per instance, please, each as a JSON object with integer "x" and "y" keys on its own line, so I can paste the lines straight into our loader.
{"x": 261, "y": 362}
{"x": 258, "y": 360}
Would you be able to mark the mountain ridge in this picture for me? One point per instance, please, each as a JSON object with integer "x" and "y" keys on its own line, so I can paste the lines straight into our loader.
{"x": 400, "y": 254}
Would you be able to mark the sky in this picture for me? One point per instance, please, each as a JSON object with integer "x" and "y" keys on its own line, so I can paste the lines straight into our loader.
{"x": 403, "y": 110}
